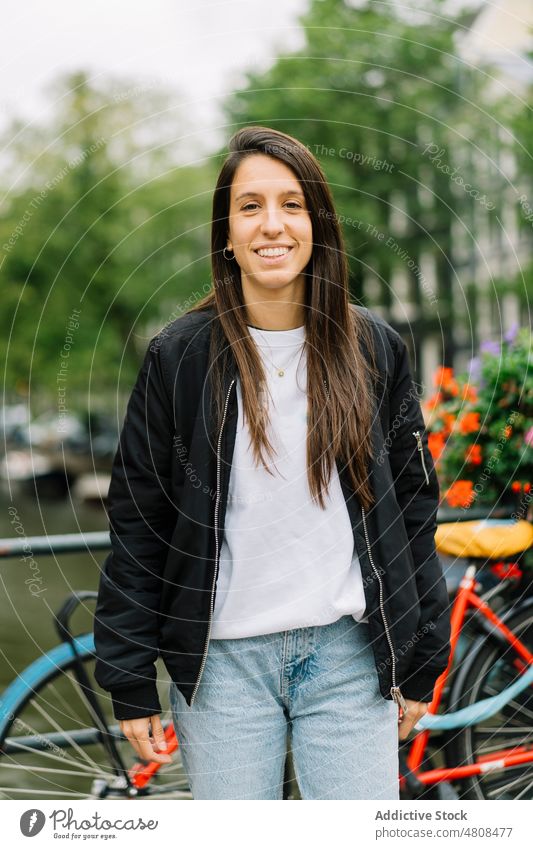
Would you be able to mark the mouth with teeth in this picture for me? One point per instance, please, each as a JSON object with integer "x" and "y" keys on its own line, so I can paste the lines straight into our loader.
{"x": 273, "y": 255}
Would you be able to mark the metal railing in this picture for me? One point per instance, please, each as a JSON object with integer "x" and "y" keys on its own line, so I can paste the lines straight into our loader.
{"x": 95, "y": 540}
{"x": 100, "y": 540}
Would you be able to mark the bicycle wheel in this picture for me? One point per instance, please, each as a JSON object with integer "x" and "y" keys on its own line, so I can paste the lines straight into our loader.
{"x": 51, "y": 746}
{"x": 490, "y": 670}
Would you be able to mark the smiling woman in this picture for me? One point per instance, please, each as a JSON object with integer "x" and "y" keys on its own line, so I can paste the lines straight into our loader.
{"x": 271, "y": 235}
{"x": 285, "y": 603}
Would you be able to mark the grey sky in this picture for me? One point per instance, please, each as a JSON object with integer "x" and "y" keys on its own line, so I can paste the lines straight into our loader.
{"x": 198, "y": 47}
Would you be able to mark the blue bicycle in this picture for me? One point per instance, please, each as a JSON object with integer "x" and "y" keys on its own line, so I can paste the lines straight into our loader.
{"x": 58, "y": 735}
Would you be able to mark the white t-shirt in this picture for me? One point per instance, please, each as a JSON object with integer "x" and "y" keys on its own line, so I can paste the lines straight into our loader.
{"x": 284, "y": 562}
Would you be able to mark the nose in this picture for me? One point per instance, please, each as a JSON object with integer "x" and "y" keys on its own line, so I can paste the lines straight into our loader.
{"x": 272, "y": 221}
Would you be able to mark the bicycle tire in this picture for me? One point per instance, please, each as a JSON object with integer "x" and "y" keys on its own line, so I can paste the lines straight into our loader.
{"x": 487, "y": 671}
{"x": 26, "y": 697}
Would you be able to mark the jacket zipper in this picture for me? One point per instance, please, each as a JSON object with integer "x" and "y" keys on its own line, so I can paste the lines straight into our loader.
{"x": 420, "y": 447}
{"x": 217, "y": 554}
{"x": 395, "y": 691}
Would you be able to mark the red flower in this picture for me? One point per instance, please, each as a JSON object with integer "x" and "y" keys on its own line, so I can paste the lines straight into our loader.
{"x": 516, "y": 486}
{"x": 436, "y": 444}
{"x": 442, "y": 376}
{"x": 469, "y": 423}
{"x": 460, "y": 494}
{"x": 473, "y": 455}
{"x": 449, "y": 421}
{"x": 469, "y": 393}
{"x": 445, "y": 381}
{"x": 434, "y": 401}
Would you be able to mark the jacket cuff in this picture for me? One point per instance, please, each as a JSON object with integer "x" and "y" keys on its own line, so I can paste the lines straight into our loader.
{"x": 419, "y": 686}
{"x": 135, "y": 702}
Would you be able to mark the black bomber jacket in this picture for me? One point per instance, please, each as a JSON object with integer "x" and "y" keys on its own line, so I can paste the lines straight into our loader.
{"x": 166, "y": 508}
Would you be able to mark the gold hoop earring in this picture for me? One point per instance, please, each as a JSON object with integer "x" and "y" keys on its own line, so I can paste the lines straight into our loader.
{"x": 227, "y": 257}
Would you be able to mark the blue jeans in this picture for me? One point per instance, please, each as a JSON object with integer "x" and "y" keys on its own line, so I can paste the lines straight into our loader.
{"x": 319, "y": 684}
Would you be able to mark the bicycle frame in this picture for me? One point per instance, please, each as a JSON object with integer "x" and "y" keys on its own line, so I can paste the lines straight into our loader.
{"x": 466, "y": 597}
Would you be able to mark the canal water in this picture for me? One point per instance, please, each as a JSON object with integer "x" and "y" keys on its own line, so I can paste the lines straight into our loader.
{"x": 27, "y": 606}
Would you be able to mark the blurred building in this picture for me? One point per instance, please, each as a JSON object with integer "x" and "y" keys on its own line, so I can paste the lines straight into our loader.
{"x": 490, "y": 248}
{"x": 499, "y": 40}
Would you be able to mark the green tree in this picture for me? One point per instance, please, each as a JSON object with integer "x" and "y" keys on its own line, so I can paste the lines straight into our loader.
{"x": 375, "y": 91}
{"x": 102, "y": 217}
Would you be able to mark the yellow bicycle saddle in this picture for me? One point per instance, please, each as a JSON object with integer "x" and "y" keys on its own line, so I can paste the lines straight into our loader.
{"x": 487, "y": 538}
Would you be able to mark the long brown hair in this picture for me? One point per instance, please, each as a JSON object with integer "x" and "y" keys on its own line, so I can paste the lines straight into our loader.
{"x": 339, "y": 375}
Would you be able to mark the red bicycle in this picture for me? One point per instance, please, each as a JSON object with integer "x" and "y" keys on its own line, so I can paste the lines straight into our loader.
{"x": 491, "y": 757}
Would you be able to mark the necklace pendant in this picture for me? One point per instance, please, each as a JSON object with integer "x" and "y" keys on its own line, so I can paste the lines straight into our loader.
{"x": 281, "y": 372}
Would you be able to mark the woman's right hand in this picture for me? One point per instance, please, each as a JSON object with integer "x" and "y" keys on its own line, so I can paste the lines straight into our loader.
{"x": 150, "y": 748}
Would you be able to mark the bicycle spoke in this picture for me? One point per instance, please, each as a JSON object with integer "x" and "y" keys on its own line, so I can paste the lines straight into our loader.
{"x": 529, "y": 786}
{"x": 502, "y": 729}
{"x": 503, "y": 738}
{"x": 73, "y": 681}
{"x": 35, "y": 773}
{"x": 31, "y": 792}
{"x": 501, "y": 745}
{"x": 491, "y": 691}
{"x": 81, "y": 768}
{"x": 509, "y": 785}
{"x": 62, "y": 700}
{"x": 38, "y": 769}
{"x": 75, "y": 745}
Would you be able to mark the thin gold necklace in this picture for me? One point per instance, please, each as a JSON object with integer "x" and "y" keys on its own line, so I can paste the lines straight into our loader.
{"x": 281, "y": 370}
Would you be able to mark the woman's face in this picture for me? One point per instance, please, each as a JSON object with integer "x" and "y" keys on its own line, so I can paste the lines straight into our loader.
{"x": 268, "y": 210}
